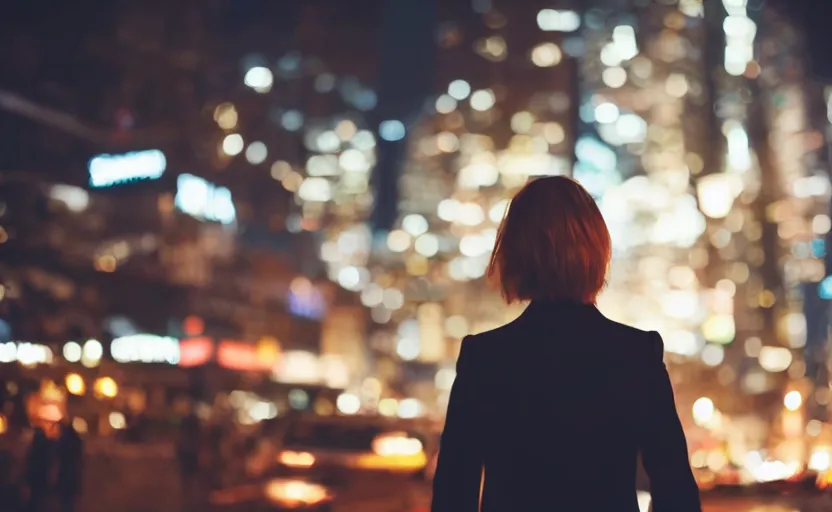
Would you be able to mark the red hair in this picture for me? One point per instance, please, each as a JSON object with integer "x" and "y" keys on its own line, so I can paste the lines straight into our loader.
{"x": 552, "y": 244}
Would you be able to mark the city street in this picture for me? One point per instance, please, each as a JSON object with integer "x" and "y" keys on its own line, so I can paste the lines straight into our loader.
{"x": 246, "y": 248}
{"x": 145, "y": 480}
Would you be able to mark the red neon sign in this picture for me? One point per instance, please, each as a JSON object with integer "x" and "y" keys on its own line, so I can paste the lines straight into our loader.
{"x": 195, "y": 351}
{"x": 237, "y": 355}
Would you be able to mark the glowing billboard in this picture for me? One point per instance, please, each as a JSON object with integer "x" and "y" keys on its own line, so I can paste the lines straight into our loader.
{"x": 111, "y": 170}
{"x": 204, "y": 200}
{"x": 145, "y": 348}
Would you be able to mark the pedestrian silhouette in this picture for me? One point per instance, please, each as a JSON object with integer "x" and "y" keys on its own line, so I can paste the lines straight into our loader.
{"x": 70, "y": 455}
{"x": 40, "y": 464}
{"x": 188, "y": 447}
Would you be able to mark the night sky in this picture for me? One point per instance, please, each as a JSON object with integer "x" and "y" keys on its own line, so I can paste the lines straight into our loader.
{"x": 815, "y": 16}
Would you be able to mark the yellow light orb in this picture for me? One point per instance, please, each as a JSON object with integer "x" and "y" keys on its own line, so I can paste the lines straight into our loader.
{"x": 75, "y": 384}
{"x": 793, "y": 400}
{"x": 106, "y": 387}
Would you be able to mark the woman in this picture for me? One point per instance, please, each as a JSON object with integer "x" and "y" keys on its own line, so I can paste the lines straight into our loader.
{"x": 551, "y": 411}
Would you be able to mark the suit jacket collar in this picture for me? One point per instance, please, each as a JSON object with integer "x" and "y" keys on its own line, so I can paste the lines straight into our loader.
{"x": 545, "y": 308}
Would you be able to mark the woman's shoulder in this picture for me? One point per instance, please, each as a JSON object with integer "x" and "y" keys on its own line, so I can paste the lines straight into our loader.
{"x": 634, "y": 341}
{"x": 484, "y": 337}
{"x": 629, "y": 330}
{"x": 646, "y": 341}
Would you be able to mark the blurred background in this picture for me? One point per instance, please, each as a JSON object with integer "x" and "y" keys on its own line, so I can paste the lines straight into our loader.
{"x": 241, "y": 241}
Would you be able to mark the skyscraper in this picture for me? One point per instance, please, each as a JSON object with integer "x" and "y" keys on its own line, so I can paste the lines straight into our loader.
{"x": 710, "y": 211}
{"x": 501, "y": 112}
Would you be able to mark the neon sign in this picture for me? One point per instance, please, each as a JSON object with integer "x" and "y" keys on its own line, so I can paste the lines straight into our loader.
{"x": 203, "y": 200}
{"x": 145, "y": 348}
{"x": 25, "y": 353}
{"x": 111, "y": 170}
{"x": 236, "y": 355}
{"x": 195, "y": 351}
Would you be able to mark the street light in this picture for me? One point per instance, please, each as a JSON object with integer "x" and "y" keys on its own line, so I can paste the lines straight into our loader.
{"x": 106, "y": 387}
{"x": 703, "y": 411}
{"x": 75, "y": 384}
{"x": 793, "y": 400}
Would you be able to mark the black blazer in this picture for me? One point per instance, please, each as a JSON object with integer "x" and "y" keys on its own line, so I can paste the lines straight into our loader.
{"x": 556, "y": 406}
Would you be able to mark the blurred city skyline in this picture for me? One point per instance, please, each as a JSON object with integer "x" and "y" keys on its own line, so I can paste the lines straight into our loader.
{"x": 307, "y": 193}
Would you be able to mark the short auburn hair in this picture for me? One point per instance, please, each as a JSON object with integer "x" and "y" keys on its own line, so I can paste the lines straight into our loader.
{"x": 553, "y": 244}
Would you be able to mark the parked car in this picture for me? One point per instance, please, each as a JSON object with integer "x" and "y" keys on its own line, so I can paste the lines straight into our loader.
{"x": 337, "y": 445}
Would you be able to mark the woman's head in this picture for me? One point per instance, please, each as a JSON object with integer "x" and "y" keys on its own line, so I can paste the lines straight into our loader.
{"x": 553, "y": 244}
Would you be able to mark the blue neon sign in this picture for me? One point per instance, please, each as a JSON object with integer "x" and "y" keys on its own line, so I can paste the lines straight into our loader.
{"x": 111, "y": 170}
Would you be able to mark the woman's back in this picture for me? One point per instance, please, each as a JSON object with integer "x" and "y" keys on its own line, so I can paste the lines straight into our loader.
{"x": 558, "y": 420}
{"x": 556, "y": 406}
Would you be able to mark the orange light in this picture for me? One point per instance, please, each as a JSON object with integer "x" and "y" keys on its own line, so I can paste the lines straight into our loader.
{"x": 297, "y": 459}
{"x": 296, "y": 493}
{"x": 193, "y": 326}
{"x": 268, "y": 350}
{"x": 392, "y": 463}
{"x": 106, "y": 387}
{"x": 824, "y": 480}
{"x": 237, "y": 355}
{"x": 75, "y": 384}
{"x": 51, "y": 413}
{"x": 706, "y": 480}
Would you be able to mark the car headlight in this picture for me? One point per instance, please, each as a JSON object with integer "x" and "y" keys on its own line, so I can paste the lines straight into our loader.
{"x": 296, "y": 459}
{"x": 396, "y": 444}
{"x": 295, "y": 493}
